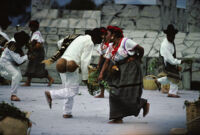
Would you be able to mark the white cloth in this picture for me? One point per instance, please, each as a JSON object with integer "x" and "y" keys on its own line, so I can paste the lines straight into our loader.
{"x": 71, "y": 89}
{"x": 9, "y": 70}
{"x": 167, "y": 51}
{"x": 62, "y": 75}
{"x": 173, "y": 86}
{"x": 126, "y": 48}
{"x": 102, "y": 48}
{"x": 10, "y": 57}
{"x": 37, "y": 36}
{"x": 4, "y": 34}
{"x": 80, "y": 51}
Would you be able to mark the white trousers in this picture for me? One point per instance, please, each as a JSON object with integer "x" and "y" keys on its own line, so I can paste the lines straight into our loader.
{"x": 63, "y": 79}
{"x": 11, "y": 72}
{"x": 173, "y": 86}
{"x": 67, "y": 93}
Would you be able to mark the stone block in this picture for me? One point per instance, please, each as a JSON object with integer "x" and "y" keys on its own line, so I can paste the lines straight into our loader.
{"x": 116, "y": 21}
{"x": 41, "y": 14}
{"x": 45, "y": 22}
{"x": 149, "y": 40}
{"x": 92, "y": 23}
{"x": 52, "y": 49}
{"x": 138, "y": 40}
{"x": 198, "y": 50}
{"x": 65, "y": 31}
{"x": 179, "y": 54}
{"x": 189, "y": 51}
{"x": 52, "y": 14}
{"x": 157, "y": 45}
{"x": 111, "y": 9}
{"x": 127, "y": 24}
{"x": 193, "y": 36}
{"x": 196, "y": 43}
{"x": 73, "y": 22}
{"x": 55, "y": 23}
{"x": 194, "y": 28}
{"x": 178, "y": 41}
{"x": 180, "y": 35}
{"x": 64, "y": 23}
{"x": 188, "y": 43}
{"x": 145, "y": 23}
{"x": 92, "y": 14}
{"x": 65, "y": 14}
{"x": 79, "y": 31}
{"x": 147, "y": 48}
{"x": 139, "y": 33}
{"x": 52, "y": 39}
{"x": 43, "y": 30}
{"x": 129, "y": 11}
{"x": 76, "y": 14}
{"x": 181, "y": 47}
{"x": 153, "y": 53}
{"x": 151, "y": 34}
{"x": 52, "y": 30}
{"x": 150, "y": 11}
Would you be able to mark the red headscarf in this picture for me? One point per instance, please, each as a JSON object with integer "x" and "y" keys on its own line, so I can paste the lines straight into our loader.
{"x": 115, "y": 30}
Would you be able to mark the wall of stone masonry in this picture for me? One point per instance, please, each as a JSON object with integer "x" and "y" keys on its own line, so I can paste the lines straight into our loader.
{"x": 193, "y": 15}
{"x": 143, "y": 24}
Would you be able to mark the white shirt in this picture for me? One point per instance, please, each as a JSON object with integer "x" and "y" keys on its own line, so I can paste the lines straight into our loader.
{"x": 37, "y": 36}
{"x": 126, "y": 48}
{"x": 59, "y": 43}
{"x": 103, "y": 48}
{"x": 80, "y": 50}
{"x": 10, "y": 57}
{"x": 4, "y": 35}
{"x": 167, "y": 51}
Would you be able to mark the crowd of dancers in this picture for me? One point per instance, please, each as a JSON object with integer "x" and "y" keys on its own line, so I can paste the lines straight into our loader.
{"x": 119, "y": 64}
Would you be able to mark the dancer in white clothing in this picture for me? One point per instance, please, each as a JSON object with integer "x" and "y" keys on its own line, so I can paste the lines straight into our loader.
{"x": 171, "y": 68}
{"x": 10, "y": 60}
{"x": 78, "y": 54}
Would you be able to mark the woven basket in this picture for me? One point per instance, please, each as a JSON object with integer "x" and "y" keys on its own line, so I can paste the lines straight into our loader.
{"x": 165, "y": 88}
{"x": 149, "y": 82}
{"x": 193, "y": 118}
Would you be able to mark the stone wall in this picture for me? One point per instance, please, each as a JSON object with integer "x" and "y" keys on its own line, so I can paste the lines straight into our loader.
{"x": 193, "y": 15}
{"x": 131, "y": 17}
{"x": 143, "y": 24}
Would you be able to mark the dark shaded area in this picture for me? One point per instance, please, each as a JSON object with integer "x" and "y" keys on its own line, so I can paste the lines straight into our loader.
{"x": 195, "y": 85}
{"x": 14, "y": 8}
{"x": 81, "y": 5}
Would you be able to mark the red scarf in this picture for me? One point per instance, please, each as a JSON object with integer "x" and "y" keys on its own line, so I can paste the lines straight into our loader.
{"x": 115, "y": 49}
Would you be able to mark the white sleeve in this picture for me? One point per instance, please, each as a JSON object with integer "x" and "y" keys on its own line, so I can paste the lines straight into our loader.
{"x": 85, "y": 61}
{"x": 59, "y": 43}
{"x": 17, "y": 58}
{"x": 108, "y": 53}
{"x": 168, "y": 57}
{"x": 129, "y": 46}
{"x": 37, "y": 36}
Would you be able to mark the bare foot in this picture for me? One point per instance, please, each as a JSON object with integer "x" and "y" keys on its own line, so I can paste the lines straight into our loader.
{"x": 99, "y": 96}
{"x": 67, "y": 116}
{"x": 14, "y": 98}
{"x": 173, "y": 96}
{"x": 48, "y": 98}
{"x": 146, "y": 109}
{"x": 26, "y": 84}
{"x": 116, "y": 121}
